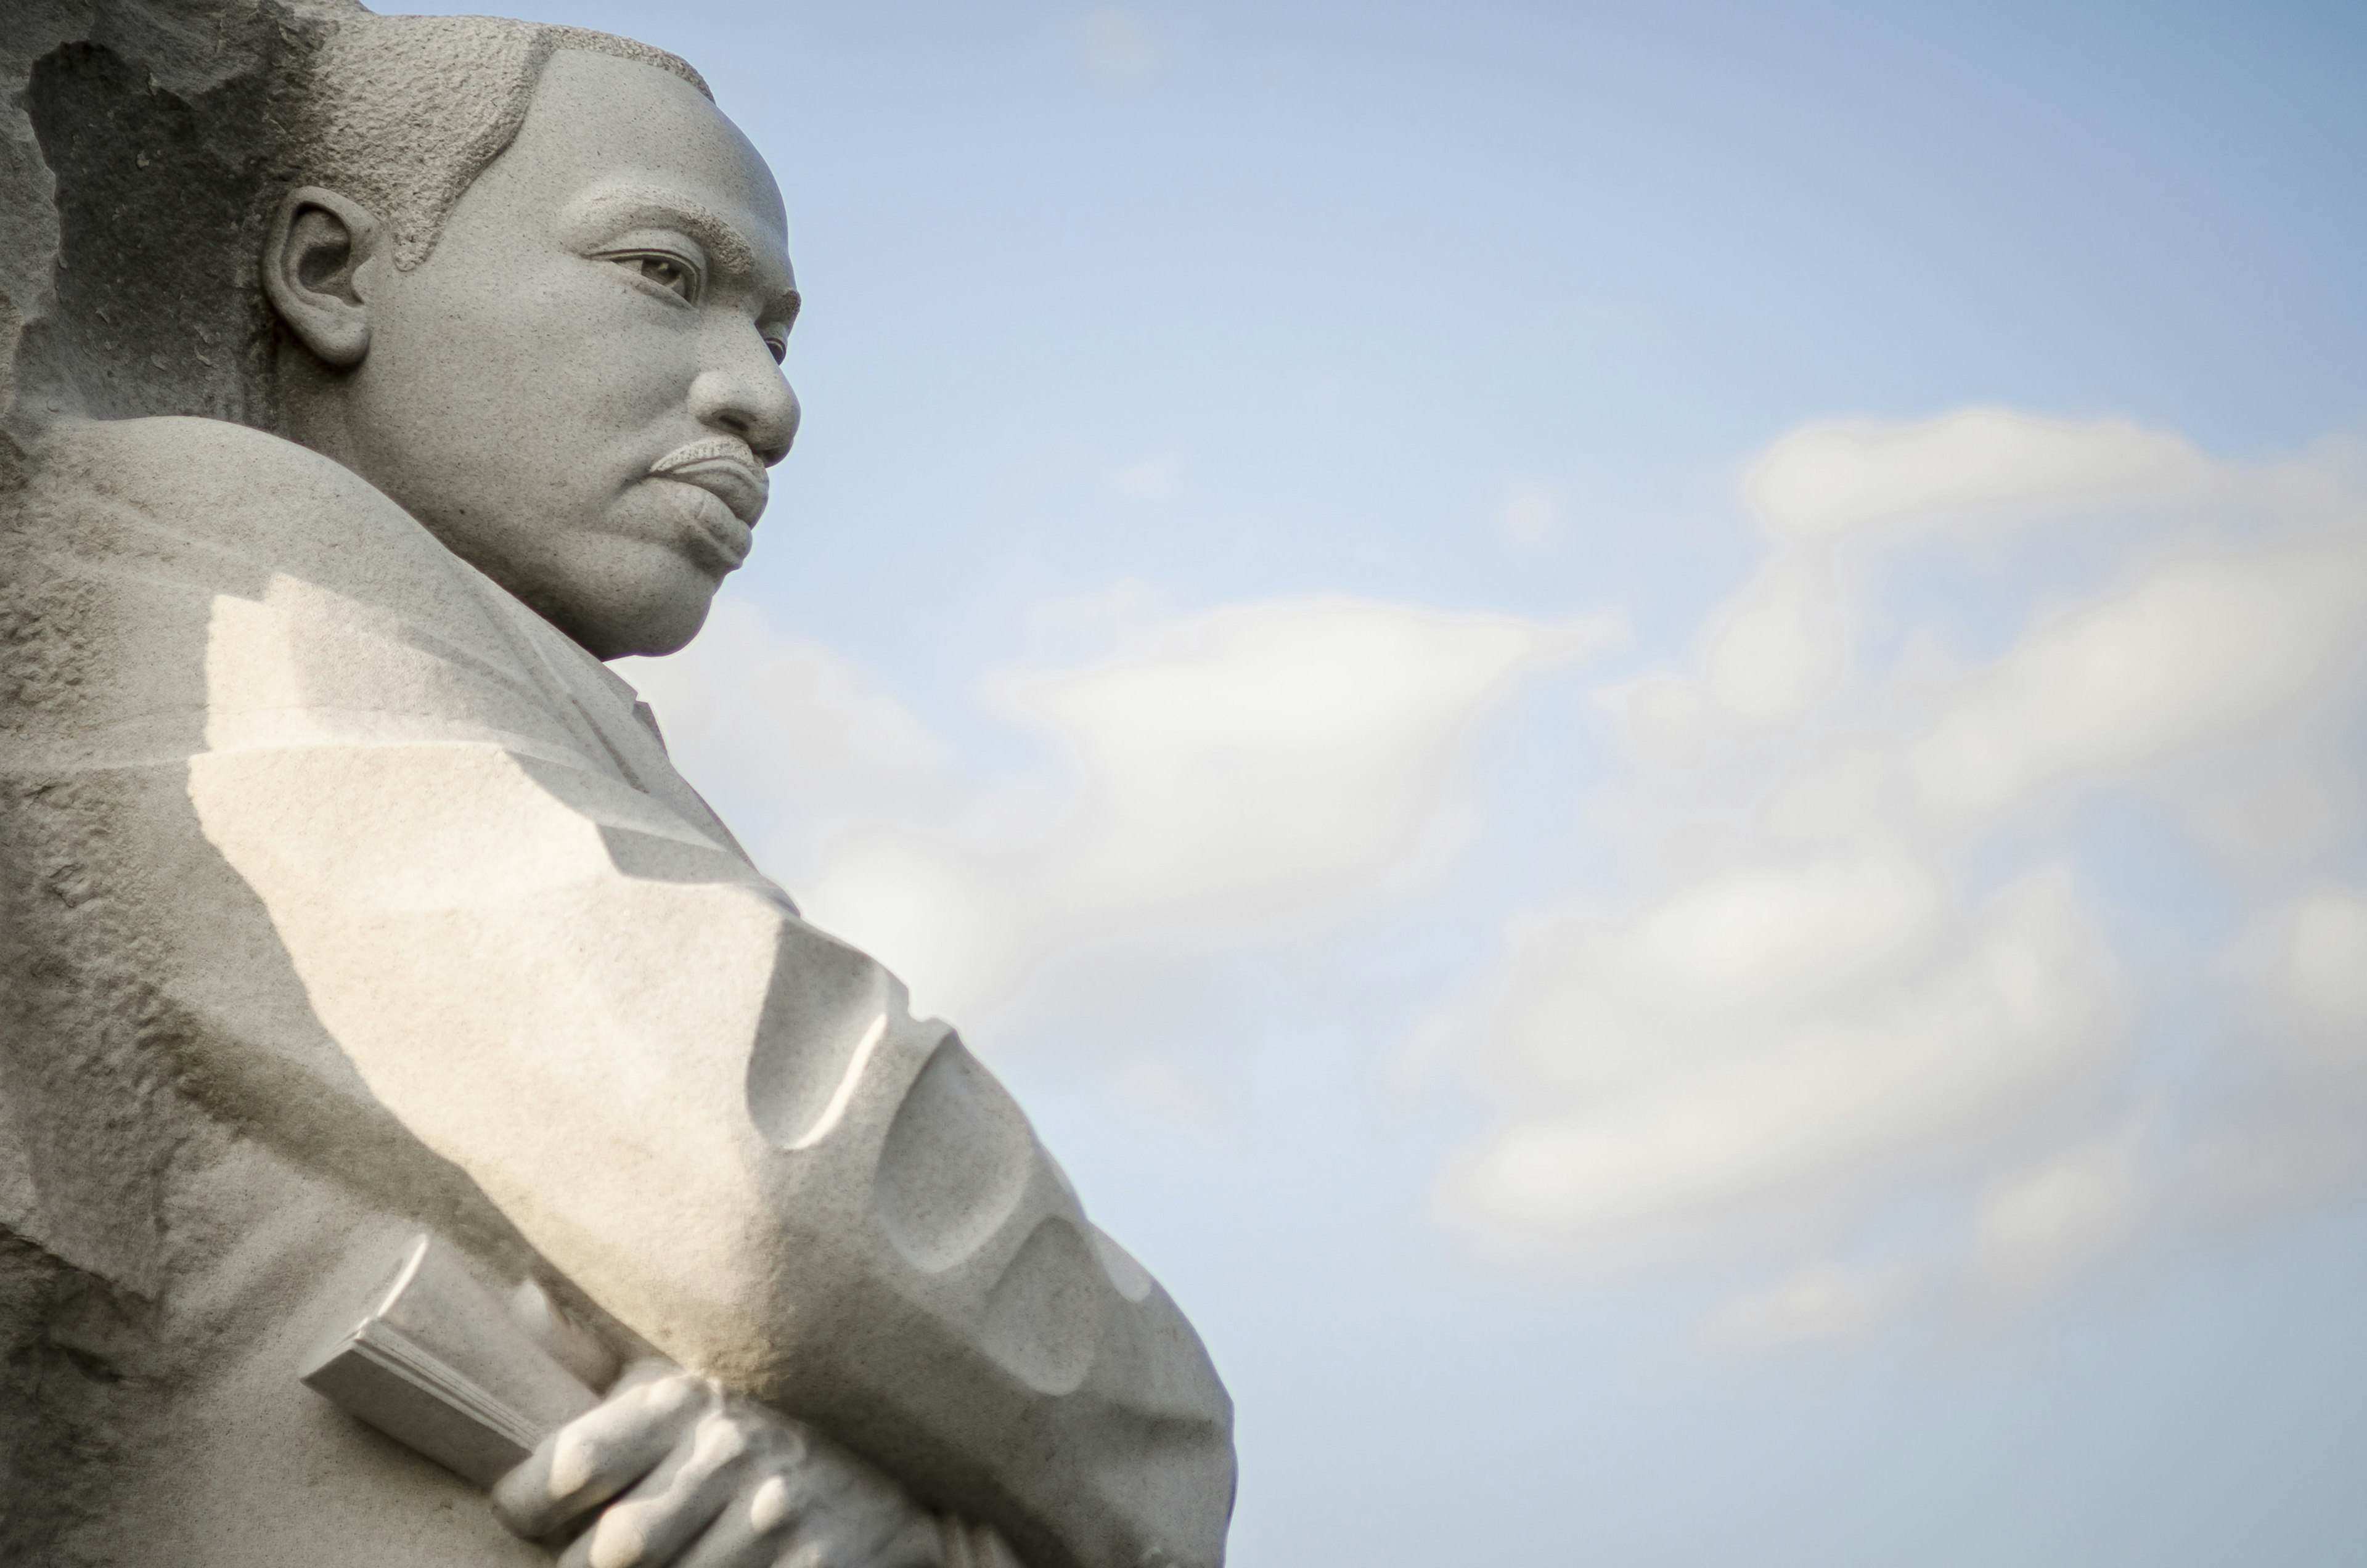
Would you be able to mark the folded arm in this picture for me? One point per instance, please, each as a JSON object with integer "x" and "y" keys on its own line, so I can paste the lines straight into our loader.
{"x": 722, "y": 1125}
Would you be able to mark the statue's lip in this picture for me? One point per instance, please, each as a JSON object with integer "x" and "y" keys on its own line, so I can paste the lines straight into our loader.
{"x": 725, "y": 468}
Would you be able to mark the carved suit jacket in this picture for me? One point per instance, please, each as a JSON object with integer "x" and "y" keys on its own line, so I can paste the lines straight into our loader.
{"x": 346, "y": 897}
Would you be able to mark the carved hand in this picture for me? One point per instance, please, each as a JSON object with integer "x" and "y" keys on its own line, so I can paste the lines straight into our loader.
{"x": 683, "y": 1474}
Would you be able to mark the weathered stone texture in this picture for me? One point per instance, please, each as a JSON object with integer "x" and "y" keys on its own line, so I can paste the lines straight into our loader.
{"x": 136, "y": 139}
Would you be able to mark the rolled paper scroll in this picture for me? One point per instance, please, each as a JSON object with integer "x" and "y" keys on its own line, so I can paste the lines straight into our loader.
{"x": 443, "y": 1366}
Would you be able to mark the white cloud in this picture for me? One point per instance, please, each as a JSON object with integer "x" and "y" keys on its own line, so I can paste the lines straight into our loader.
{"x": 1827, "y": 479}
{"x": 2188, "y": 654}
{"x": 1797, "y": 1021}
{"x": 1766, "y": 656}
{"x": 788, "y": 737}
{"x": 1844, "y": 501}
{"x": 1776, "y": 648}
{"x": 2037, "y": 1229}
{"x": 2284, "y": 799}
{"x": 1226, "y": 771}
{"x": 1839, "y": 978}
{"x": 1824, "y": 1304}
{"x": 1218, "y": 778}
{"x": 1729, "y": 1058}
{"x": 2325, "y": 961}
{"x": 1267, "y": 753}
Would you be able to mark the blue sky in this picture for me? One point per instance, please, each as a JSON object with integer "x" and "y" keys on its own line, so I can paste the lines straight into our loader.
{"x": 1640, "y": 729}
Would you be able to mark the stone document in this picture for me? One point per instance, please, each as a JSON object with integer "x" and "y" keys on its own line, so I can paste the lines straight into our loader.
{"x": 368, "y": 381}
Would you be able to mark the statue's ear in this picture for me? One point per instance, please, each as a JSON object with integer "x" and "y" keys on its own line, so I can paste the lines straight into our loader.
{"x": 312, "y": 269}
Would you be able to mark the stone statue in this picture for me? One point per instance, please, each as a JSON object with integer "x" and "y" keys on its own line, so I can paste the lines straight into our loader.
{"x": 368, "y": 381}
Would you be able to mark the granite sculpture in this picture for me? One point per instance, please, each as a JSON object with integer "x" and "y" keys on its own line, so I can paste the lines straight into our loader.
{"x": 366, "y": 382}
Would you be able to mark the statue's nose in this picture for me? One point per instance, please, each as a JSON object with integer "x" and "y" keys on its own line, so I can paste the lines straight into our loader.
{"x": 751, "y": 400}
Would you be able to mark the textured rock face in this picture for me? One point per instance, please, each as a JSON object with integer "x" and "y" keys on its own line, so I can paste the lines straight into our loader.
{"x": 136, "y": 137}
{"x": 342, "y": 897}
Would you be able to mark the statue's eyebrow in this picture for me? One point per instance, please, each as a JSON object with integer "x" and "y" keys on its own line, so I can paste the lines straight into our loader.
{"x": 630, "y": 206}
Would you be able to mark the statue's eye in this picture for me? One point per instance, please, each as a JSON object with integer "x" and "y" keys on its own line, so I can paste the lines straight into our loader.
{"x": 666, "y": 273}
{"x": 780, "y": 347}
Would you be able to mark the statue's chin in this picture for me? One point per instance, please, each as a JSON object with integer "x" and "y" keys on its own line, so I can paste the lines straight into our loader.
{"x": 625, "y": 596}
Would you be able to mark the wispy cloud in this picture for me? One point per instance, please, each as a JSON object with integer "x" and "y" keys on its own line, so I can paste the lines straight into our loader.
{"x": 1865, "y": 966}
{"x": 1212, "y": 779}
{"x": 1861, "y": 1023}
{"x": 1990, "y": 467}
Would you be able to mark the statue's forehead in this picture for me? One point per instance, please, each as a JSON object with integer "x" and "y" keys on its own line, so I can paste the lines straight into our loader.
{"x": 599, "y": 121}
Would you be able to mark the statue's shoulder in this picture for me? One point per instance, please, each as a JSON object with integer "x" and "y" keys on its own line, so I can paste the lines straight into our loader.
{"x": 200, "y": 469}
{"x": 206, "y": 499}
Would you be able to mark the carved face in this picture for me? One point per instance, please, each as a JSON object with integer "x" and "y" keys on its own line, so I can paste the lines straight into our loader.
{"x": 579, "y": 389}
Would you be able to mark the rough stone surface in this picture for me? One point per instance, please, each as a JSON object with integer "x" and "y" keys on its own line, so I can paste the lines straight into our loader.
{"x": 136, "y": 146}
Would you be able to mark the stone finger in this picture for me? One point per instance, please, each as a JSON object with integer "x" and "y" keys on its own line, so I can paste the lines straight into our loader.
{"x": 600, "y": 1453}
{"x": 754, "y": 1530}
{"x": 675, "y": 1502}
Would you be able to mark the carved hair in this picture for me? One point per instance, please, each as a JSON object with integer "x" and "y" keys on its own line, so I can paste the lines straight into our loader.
{"x": 402, "y": 113}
